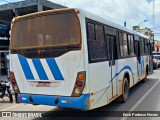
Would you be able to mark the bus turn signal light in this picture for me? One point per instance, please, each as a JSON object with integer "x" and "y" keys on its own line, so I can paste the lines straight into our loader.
{"x": 12, "y": 76}
{"x": 80, "y": 76}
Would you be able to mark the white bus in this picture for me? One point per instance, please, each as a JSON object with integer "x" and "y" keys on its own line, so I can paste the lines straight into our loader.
{"x": 75, "y": 59}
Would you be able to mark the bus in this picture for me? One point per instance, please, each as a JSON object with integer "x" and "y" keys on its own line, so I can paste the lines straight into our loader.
{"x": 74, "y": 59}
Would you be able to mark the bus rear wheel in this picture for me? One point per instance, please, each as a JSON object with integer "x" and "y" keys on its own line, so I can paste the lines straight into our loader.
{"x": 144, "y": 80}
{"x": 125, "y": 90}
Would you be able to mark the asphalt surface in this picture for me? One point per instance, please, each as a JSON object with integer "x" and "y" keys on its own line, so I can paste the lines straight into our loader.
{"x": 142, "y": 97}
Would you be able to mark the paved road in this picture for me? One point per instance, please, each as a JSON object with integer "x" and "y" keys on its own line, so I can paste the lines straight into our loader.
{"x": 142, "y": 97}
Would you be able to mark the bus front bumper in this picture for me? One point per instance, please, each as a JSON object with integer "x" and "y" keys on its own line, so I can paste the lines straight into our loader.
{"x": 81, "y": 102}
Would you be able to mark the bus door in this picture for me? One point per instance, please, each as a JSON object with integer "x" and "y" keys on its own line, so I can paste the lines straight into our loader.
{"x": 111, "y": 40}
{"x": 137, "y": 51}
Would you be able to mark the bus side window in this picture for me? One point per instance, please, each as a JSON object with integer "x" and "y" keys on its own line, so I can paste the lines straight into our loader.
{"x": 130, "y": 45}
{"x": 107, "y": 44}
{"x": 91, "y": 31}
{"x": 141, "y": 46}
{"x": 114, "y": 49}
{"x": 96, "y": 43}
{"x": 121, "y": 44}
{"x": 118, "y": 46}
{"x": 111, "y": 48}
{"x": 146, "y": 46}
{"x": 99, "y": 33}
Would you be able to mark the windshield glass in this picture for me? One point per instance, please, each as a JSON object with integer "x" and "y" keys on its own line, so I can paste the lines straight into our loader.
{"x": 46, "y": 35}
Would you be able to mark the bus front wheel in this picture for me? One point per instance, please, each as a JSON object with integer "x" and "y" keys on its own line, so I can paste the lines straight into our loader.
{"x": 125, "y": 90}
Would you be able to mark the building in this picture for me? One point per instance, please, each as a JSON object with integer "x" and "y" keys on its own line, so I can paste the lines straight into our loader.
{"x": 146, "y": 31}
{"x": 7, "y": 12}
{"x": 156, "y": 45}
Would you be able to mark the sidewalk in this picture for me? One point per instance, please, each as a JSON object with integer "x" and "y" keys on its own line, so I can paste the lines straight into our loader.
{"x": 155, "y": 74}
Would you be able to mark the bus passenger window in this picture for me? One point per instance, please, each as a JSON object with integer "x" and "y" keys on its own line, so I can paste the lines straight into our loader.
{"x": 121, "y": 43}
{"x": 130, "y": 45}
{"x": 96, "y": 43}
{"x": 141, "y": 46}
{"x": 124, "y": 45}
{"x": 91, "y": 33}
{"x": 99, "y": 33}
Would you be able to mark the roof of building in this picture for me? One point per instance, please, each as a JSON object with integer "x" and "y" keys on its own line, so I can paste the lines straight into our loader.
{"x": 24, "y": 7}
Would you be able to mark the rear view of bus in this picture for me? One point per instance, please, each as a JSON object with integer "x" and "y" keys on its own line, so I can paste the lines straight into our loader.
{"x": 47, "y": 61}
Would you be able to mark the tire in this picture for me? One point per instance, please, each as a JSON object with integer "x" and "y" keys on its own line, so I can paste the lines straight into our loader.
{"x": 125, "y": 91}
{"x": 156, "y": 66}
{"x": 144, "y": 80}
{"x": 10, "y": 96}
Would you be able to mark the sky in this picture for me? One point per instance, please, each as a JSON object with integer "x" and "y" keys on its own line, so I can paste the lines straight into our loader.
{"x": 133, "y": 12}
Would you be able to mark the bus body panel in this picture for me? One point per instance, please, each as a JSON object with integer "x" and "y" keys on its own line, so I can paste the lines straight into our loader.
{"x": 99, "y": 77}
{"x": 103, "y": 82}
{"x": 105, "y": 96}
{"x": 142, "y": 63}
{"x": 60, "y": 78}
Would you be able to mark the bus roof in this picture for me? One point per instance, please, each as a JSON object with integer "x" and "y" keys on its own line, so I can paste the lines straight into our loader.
{"x": 110, "y": 23}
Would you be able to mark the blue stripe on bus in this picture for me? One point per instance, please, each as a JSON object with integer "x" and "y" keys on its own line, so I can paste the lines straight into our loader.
{"x": 26, "y": 69}
{"x": 40, "y": 70}
{"x": 124, "y": 68}
{"x": 54, "y": 69}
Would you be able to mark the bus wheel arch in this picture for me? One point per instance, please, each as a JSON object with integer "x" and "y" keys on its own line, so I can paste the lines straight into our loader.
{"x": 125, "y": 88}
{"x": 126, "y": 75}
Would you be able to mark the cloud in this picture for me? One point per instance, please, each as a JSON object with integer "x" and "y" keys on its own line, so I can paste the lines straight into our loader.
{"x": 131, "y": 11}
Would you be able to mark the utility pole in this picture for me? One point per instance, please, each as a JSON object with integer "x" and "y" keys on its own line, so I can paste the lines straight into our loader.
{"x": 153, "y": 18}
{"x": 152, "y": 46}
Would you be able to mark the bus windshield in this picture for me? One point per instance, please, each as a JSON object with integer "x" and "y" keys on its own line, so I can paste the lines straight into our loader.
{"x": 46, "y": 35}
